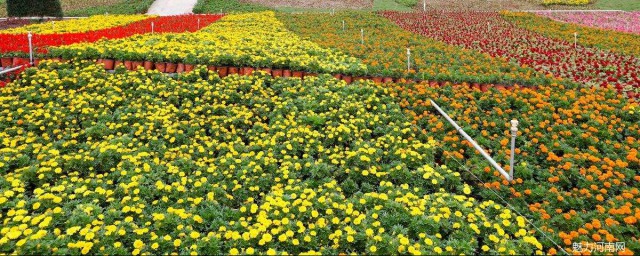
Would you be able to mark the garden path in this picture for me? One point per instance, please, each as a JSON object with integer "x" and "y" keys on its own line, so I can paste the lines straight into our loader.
{"x": 171, "y": 7}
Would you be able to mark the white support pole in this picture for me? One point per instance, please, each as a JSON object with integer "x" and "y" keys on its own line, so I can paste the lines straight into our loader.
{"x": 198, "y": 24}
{"x": 408, "y": 59}
{"x": 575, "y": 39}
{"x": 153, "y": 27}
{"x": 475, "y": 145}
{"x": 362, "y": 35}
{"x": 514, "y": 133}
{"x": 10, "y": 70}
{"x": 343, "y": 25}
{"x": 53, "y": 25}
{"x": 30, "y": 36}
{"x": 424, "y": 5}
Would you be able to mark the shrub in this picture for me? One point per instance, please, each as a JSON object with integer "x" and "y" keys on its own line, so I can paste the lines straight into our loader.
{"x": 21, "y": 8}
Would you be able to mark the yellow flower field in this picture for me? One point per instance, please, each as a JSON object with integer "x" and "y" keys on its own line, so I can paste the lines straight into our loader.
{"x": 92, "y": 23}
{"x": 254, "y": 39}
{"x": 566, "y": 2}
{"x": 138, "y": 163}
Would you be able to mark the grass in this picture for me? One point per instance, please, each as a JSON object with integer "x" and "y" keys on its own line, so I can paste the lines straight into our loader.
{"x": 626, "y": 5}
{"x": 389, "y": 5}
{"x": 121, "y": 7}
{"x": 93, "y": 7}
{"x": 226, "y": 6}
{"x": 3, "y": 8}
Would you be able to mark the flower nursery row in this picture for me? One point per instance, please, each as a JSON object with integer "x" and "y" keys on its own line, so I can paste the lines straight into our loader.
{"x": 622, "y": 43}
{"x": 256, "y": 40}
{"x": 137, "y": 162}
{"x": 577, "y": 155}
{"x": 566, "y": 2}
{"x": 490, "y": 33}
{"x": 18, "y": 45}
{"x": 385, "y": 45}
{"x": 93, "y": 23}
{"x": 614, "y": 20}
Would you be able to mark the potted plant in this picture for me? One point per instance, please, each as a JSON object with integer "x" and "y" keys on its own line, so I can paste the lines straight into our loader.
{"x": 224, "y": 61}
{"x": 159, "y": 62}
{"x": 172, "y": 65}
{"x": 6, "y": 60}
{"x": 264, "y": 65}
{"x": 189, "y": 62}
{"x": 148, "y": 62}
{"x": 297, "y": 70}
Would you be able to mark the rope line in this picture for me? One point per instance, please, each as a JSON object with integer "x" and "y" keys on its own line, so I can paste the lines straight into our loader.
{"x": 507, "y": 203}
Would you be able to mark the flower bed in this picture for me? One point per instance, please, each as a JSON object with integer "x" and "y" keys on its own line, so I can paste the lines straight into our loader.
{"x": 576, "y": 155}
{"x": 17, "y": 45}
{"x": 137, "y": 162}
{"x": 566, "y": 2}
{"x": 385, "y": 53}
{"x": 13, "y": 23}
{"x": 622, "y": 43}
{"x": 619, "y": 21}
{"x": 93, "y": 23}
{"x": 488, "y": 32}
{"x": 241, "y": 40}
{"x": 319, "y": 4}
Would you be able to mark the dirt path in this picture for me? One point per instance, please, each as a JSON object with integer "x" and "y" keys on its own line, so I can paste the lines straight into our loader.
{"x": 172, "y": 7}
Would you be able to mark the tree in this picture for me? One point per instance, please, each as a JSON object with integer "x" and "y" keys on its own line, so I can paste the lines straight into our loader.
{"x": 22, "y": 8}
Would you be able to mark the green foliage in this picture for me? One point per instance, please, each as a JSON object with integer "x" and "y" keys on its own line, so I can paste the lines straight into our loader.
{"x": 124, "y": 7}
{"x": 226, "y": 6}
{"x": 407, "y": 3}
{"x": 627, "y": 5}
{"x": 389, "y": 5}
{"x": 22, "y": 8}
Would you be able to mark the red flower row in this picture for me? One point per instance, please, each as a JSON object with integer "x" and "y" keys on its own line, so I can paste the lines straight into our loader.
{"x": 168, "y": 24}
{"x": 488, "y": 32}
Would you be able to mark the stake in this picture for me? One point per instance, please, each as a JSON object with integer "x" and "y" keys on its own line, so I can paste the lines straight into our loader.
{"x": 514, "y": 133}
{"x": 53, "y": 25}
{"x": 424, "y": 5}
{"x": 408, "y": 59}
{"x": 362, "y": 35}
{"x": 198, "y": 24}
{"x": 575, "y": 39}
{"x": 152, "y": 27}
{"x": 343, "y": 26}
{"x": 30, "y": 49}
{"x": 476, "y": 146}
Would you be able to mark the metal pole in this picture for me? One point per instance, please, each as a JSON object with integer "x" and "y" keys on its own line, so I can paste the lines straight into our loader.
{"x": 408, "y": 59}
{"x": 10, "y": 70}
{"x": 514, "y": 133}
{"x": 343, "y": 26}
{"x": 30, "y": 48}
{"x": 362, "y": 35}
{"x": 473, "y": 142}
{"x": 575, "y": 39}
{"x": 424, "y": 5}
{"x": 152, "y": 27}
